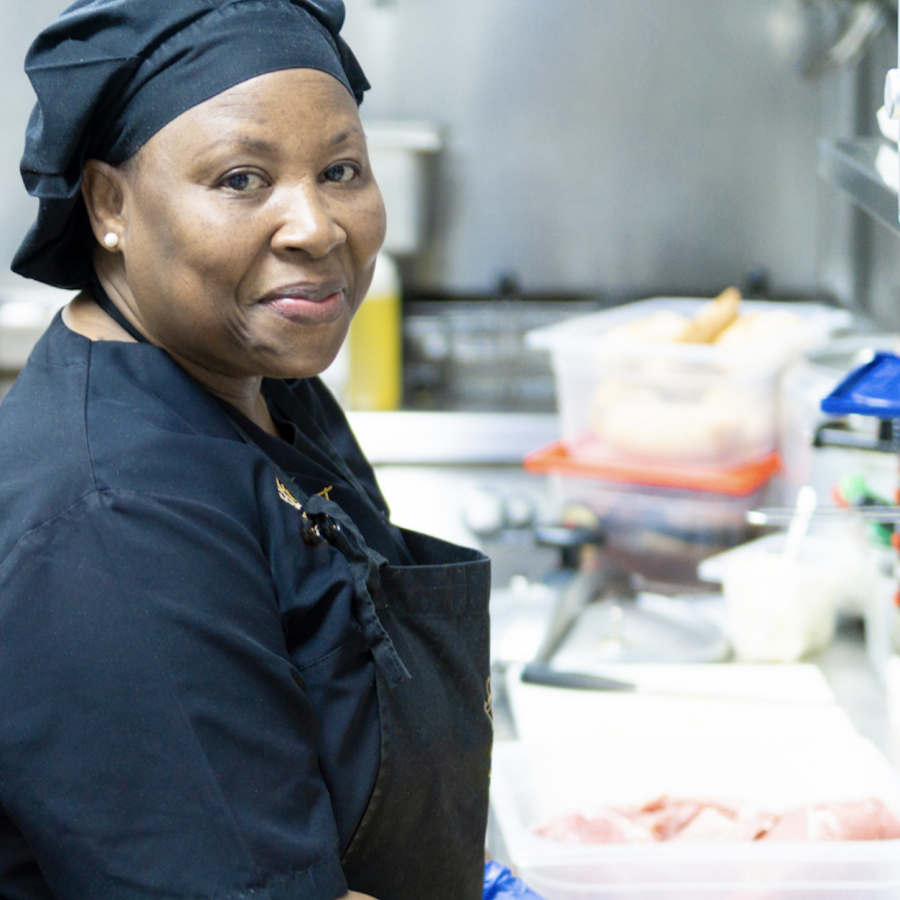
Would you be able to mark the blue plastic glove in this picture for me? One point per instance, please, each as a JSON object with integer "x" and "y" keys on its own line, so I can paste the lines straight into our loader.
{"x": 501, "y": 884}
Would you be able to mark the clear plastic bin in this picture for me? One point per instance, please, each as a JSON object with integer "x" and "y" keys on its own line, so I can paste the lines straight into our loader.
{"x": 673, "y": 403}
{"x": 532, "y": 784}
{"x": 660, "y": 521}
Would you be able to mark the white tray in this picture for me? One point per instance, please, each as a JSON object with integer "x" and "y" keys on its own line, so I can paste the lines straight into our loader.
{"x": 535, "y": 782}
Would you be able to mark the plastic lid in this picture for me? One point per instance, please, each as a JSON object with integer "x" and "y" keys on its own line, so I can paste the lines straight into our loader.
{"x": 738, "y": 481}
{"x": 871, "y": 390}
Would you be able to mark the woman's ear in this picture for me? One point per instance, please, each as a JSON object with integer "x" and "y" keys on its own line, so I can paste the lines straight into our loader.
{"x": 102, "y": 187}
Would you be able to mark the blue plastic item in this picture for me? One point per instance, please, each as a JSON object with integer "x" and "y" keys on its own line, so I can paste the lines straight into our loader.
{"x": 871, "y": 390}
{"x": 501, "y": 884}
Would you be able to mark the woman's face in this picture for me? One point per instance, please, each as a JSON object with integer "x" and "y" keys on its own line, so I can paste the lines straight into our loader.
{"x": 249, "y": 228}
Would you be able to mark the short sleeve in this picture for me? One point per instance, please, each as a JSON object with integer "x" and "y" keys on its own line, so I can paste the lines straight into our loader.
{"x": 155, "y": 739}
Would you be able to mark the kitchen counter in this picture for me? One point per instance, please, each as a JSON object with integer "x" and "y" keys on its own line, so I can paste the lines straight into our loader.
{"x": 451, "y": 438}
{"x": 844, "y": 664}
{"x": 444, "y": 459}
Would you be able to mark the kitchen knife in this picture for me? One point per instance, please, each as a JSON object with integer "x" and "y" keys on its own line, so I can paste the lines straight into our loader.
{"x": 541, "y": 673}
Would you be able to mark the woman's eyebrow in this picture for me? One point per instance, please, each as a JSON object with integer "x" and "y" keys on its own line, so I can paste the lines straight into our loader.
{"x": 260, "y": 145}
{"x": 257, "y": 145}
{"x": 346, "y": 135}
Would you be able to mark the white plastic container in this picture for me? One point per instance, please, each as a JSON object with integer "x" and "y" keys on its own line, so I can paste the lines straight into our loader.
{"x": 674, "y": 403}
{"x": 779, "y": 610}
{"x": 532, "y": 784}
{"x": 397, "y": 152}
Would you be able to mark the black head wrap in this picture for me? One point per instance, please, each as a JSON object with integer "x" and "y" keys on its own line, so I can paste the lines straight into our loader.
{"x": 109, "y": 74}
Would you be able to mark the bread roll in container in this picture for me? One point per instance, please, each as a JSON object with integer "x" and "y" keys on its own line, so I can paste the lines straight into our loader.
{"x": 629, "y": 389}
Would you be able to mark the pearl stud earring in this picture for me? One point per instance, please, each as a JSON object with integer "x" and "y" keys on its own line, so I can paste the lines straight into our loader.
{"x": 111, "y": 240}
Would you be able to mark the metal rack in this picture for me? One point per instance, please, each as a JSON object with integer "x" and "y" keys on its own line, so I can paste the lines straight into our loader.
{"x": 851, "y": 166}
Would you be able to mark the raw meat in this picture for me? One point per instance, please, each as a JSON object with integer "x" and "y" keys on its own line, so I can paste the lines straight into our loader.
{"x": 714, "y": 825}
{"x": 607, "y": 827}
{"x": 665, "y": 817}
{"x": 868, "y": 820}
{"x": 684, "y": 820}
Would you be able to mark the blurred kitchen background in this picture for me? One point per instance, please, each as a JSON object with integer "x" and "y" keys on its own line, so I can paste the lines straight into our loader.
{"x": 545, "y": 160}
{"x": 591, "y": 150}
{"x": 594, "y": 150}
{"x": 595, "y": 147}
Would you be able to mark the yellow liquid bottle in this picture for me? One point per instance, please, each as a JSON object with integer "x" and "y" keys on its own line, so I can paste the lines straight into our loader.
{"x": 374, "y": 378}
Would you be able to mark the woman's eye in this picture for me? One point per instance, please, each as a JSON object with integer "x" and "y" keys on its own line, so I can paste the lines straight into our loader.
{"x": 341, "y": 173}
{"x": 243, "y": 181}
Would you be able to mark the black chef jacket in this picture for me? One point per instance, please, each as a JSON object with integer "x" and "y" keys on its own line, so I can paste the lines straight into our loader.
{"x": 158, "y": 610}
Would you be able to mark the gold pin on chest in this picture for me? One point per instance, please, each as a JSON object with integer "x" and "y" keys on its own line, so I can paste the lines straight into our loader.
{"x": 291, "y": 500}
{"x": 287, "y": 496}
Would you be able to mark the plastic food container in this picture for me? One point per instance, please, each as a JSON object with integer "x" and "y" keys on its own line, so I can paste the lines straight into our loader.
{"x": 772, "y": 623}
{"x": 662, "y": 521}
{"x": 622, "y": 397}
{"x": 532, "y": 784}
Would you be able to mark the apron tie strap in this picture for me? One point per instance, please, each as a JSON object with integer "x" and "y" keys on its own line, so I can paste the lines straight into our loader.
{"x": 337, "y": 528}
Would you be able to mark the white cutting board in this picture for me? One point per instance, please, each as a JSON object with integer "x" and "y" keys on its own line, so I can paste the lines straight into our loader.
{"x": 735, "y": 701}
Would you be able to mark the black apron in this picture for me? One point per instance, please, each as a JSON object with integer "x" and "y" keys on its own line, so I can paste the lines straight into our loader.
{"x": 422, "y": 834}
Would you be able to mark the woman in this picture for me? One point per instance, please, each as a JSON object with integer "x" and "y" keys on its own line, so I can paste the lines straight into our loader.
{"x": 228, "y": 675}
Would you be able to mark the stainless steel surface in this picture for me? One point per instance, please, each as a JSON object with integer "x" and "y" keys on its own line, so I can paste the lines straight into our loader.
{"x": 471, "y": 354}
{"x": 591, "y": 144}
{"x": 782, "y": 515}
{"x": 859, "y": 252}
{"x": 838, "y": 31}
{"x": 648, "y": 628}
{"x": 857, "y": 688}
{"x": 19, "y": 25}
{"x": 609, "y": 146}
{"x": 434, "y": 499}
{"x": 879, "y": 256}
{"x": 850, "y": 166}
{"x": 573, "y": 596}
{"x": 450, "y": 438}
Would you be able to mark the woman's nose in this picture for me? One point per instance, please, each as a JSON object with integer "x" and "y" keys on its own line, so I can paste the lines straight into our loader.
{"x": 308, "y": 224}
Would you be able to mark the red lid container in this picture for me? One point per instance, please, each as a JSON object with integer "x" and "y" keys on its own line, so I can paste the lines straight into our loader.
{"x": 739, "y": 481}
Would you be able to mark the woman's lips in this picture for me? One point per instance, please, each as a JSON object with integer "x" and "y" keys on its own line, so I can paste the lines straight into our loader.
{"x": 308, "y": 310}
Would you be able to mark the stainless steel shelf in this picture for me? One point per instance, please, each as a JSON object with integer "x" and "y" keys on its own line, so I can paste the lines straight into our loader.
{"x": 451, "y": 438}
{"x": 851, "y": 166}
